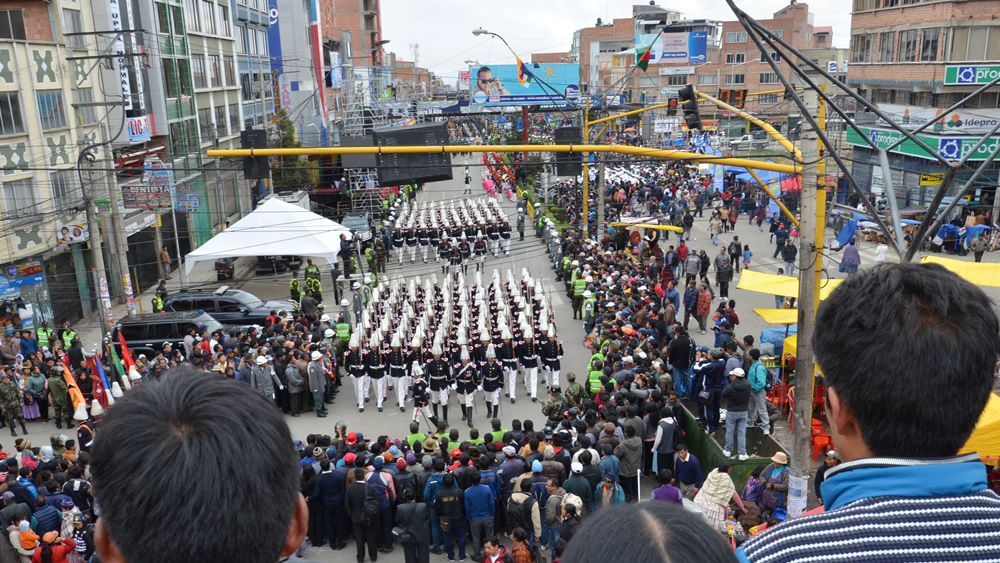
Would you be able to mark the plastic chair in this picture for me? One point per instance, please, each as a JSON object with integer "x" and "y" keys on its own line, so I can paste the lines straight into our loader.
{"x": 819, "y": 399}
{"x": 820, "y": 442}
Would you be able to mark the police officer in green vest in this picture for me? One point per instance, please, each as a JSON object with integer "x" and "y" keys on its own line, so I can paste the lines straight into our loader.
{"x": 293, "y": 288}
{"x": 157, "y": 304}
{"x": 343, "y": 329}
{"x": 44, "y": 335}
{"x": 312, "y": 270}
{"x": 594, "y": 377}
{"x": 579, "y": 286}
{"x": 316, "y": 288}
{"x": 371, "y": 258}
{"x": 589, "y": 311}
{"x": 68, "y": 334}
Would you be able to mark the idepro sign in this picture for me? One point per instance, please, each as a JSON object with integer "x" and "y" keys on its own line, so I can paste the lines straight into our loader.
{"x": 965, "y": 121}
{"x": 970, "y": 74}
{"x": 951, "y": 148}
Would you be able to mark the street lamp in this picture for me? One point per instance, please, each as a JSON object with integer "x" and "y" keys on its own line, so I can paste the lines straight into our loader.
{"x": 480, "y": 31}
{"x": 471, "y": 62}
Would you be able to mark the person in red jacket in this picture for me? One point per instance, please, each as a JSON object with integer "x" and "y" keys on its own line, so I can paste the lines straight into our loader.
{"x": 53, "y": 549}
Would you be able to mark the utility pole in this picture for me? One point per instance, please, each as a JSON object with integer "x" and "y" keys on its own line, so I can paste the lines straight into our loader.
{"x": 585, "y": 194}
{"x": 602, "y": 181}
{"x": 96, "y": 252}
{"x": 120, "y": 237}
{"x": 809, "y": 258}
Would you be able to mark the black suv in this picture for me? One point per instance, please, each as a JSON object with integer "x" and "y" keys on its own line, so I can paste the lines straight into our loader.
{"x": 145, "y": 334}
{"x": 228, "y": 306}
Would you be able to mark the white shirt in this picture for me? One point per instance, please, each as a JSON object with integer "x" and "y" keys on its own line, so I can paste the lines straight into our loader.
{"x": 880, "y": 253}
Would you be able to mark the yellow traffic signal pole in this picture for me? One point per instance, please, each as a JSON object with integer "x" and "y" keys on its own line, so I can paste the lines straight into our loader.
{"x": 586, "y": 169}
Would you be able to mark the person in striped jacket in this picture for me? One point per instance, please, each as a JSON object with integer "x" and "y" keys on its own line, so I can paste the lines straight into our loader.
{"x": 908, "y": 352}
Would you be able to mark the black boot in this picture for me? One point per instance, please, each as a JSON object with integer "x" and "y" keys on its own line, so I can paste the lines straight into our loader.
{"x": 434, "y": 421}
{"x": 435, "y": 417}
{"x": 444, "y": 412}
{"x": 23, "y": 429}
{"x": 465, "y": 412}
{"x": 69, "y": 422}
{"x": 12, "y": 431}
{"x": 470, "y": 418}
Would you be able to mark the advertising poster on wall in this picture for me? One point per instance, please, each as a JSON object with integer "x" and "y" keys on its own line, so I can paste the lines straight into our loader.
{"x": 675, "y": 48}
{"x": 497, "y": 85}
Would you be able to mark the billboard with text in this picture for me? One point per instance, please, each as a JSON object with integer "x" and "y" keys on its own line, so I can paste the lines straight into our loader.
{"x": 497, "y": 85}
{"x": 675, "y": 48}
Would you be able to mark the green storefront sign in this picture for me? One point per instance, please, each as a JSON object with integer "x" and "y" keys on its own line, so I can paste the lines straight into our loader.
{"x": 970, "y": 74}
{"x": 951, "y": 148}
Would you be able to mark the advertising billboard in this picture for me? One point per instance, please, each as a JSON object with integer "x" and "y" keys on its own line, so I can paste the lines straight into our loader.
{"x": 497, "y": 85}
{"x": 675, "y": 48}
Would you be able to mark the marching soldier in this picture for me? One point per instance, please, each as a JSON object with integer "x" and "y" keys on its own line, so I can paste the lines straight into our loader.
{"x": 466, "y": 380}
{"x": 411, "y": 241}
{"x": 435, "y": 237}
{"x": 504, "y": 229}
{"x": 480, "y": 251}
{"x": 375, "y": 369}
{"x": 493, "y": 233}
{"x": 527, "y": 354}
{"x": 355, "y": 366}
{"x": 424, "y": 241}
{"x": 397, "y": 369}
{"x": 439, "y": 374}
{"x": 420, "y": 394}
{"x": 508, "y": 358}
{"x": 552, "y": 352}
{"x": 445, "y": 251}
{"x": 398, "y": 238}
{"x": 492, "y": 381}
{"x": 465, "y": 252}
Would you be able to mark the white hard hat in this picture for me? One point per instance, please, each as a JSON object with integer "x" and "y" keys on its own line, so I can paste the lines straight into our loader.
{"x": 325, "y": 318}
{"x": 316, "y": 356}
{"x": 588, "y": 279}
{"x": 328, "y": 332}
{"x": 357, "y": 285}
{"x": 344, "y": 303}
{"x": 261, "y": 360}
{"x": 587, "y": 293}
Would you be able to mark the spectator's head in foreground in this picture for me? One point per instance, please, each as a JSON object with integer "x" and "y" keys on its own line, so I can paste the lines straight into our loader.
{"x": 908, "y": 352}
{"x": 194, "y": 467}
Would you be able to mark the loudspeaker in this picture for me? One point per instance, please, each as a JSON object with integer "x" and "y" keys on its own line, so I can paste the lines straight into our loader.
{"x": 568, "y": 163}
{"x": 257, "y": 167}
{"x": 358, "y": 160}
{"x": 408, "y": 168}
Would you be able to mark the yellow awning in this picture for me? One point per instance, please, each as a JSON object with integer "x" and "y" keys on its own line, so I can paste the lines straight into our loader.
{"x": 977, "y": 273}
{"x": 985, "y": 439}
{"x": 778, "y": 316}
{"x": 790, "y": 347}
{"x": 786, "y": 286}
{"x": 645, "y": 226}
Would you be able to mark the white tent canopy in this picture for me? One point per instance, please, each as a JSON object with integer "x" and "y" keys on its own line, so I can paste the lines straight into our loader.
{"x": 273, "y": 229}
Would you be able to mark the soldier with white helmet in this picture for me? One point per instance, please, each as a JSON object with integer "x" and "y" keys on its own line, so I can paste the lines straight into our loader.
{"x": 466, "y": 381}
{"x": 552, "y": 353}
{"x": 440, "y": 379}
{"x": 397, "y": 369}
{"x": 508, "y": 357}
{"x": 354, "y": 363}
{"x": 491, "y": 373}
{"x": 528, "y": 357}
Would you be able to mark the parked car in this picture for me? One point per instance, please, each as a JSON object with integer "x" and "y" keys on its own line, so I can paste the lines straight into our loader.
{"x": 145, "y": 334}
{"x": 229, "y": 306}
{"x": 360, "y": 225}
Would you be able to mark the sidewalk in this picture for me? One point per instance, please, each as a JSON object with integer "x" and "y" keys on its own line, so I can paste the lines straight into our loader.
{"x": 89, "y": 329}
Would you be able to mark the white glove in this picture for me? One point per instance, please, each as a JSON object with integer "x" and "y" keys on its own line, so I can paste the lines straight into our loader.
{"x": 480, "y": 388}
{"x": 281, "y": 388}
{"x": 454, "y": 386}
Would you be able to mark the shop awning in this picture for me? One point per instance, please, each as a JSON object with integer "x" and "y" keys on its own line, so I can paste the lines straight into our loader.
{"x": 786, "y": 286}
{"x": 985, "y": 439}
{"x": 275, "y": 228}
{"x": 778, "y": 316}
{"x": 977, "y": 273}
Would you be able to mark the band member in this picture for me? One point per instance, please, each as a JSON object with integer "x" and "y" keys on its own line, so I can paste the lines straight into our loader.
{"x": 508, "y": 358}
{"x": 466, "y": 381}
{"x": 552, "y": 352}
{"x": 397, "y": 370}
{"x": 480, "y": 250}
{"x": 465, "y": 251}
{"x": 354, "y": 363}
{"x": 398, "y": 239}
{"x": 420, "y": 402}
{"x": 435, "y": 237}
{"x": 493, "y": 233}
{"x": 375, "y": 368}
{"x": 411, "y": 242}
{"x": 439, "y": 373}
{"x": 492, "y": 381}
{"x": 445, "y": 251}
{"x": 528, "y": 356}
{"x": 424, "y": 241}
{"x": 504, "y": 229}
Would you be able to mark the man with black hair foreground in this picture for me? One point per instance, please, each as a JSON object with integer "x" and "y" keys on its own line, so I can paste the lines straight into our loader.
{"x": 906, "y": 381}
{"x": 179, "y": 444}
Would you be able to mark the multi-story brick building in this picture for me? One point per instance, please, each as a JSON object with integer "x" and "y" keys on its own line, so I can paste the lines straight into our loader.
{"x": 916, "y": 59}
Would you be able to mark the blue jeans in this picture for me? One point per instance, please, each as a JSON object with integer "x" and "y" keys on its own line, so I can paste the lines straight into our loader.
{"x": 715, "y": 239}
{"x": 778, "y": 300}
{"x": 736, "y": 420}
{"x": 456, "y": 535}
{"x": 435, "y": 531}
{"x": 681, "y": 383}
{"x": 553, "y": 535}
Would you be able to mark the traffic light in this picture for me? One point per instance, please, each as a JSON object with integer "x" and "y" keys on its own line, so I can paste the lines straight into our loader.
{"x": 671, "y": 107}
{"x": 689, "y": 103}
{"x": 254, "y": 167}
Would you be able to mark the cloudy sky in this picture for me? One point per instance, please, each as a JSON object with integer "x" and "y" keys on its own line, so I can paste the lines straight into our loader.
{"x": 443, "y": 28}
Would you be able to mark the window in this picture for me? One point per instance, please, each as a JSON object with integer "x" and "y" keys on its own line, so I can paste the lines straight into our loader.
{"x": 736, "y": 37}
{"x": 170, "y": 82}
{"x": 767, "y": 99}
{"x": 267, "y": 86}
{"x": 256, "y": 86}
{"x": 12, "y": 25}
{"x": 735, "y": 79}
{"x": 134, "y": 331}
{"x": 246, "y": 90}
{"x": 775, "y": 56}
{"x": 10, "y": 114}
{"x": 234, "y": 117}
{"x": 242, "y": 42}
{"x": 862, "y": 5}
{"x": 50, "y": 110}
{"x": 708, "y": 79}
{"x": 161, "y": 331}
{"x": 208, "y": 16}
{"x": 184, "y": 73}
{"x": 205, "y": 125}
{"x": 198, "y": 71}
{"x": 19, "y": 197}
{"x": 227, "y": 306}
{"x": 66, "y": 191}
{"x": 220, "y": 121}
{"x": 179, "y": 26}
{"x": 908, "y": 45}
{"x": 736, "y": 58}
{"x": 225, "y": 28}
{"x": 779, "y": 32}
{"x": 264, "y": 48}
{"x": 887, "y": 46}
{"x": 252, "y": 39}
{"x": 162, "y": 18}
{"x": 86, "y": 114}
{"x": 929, "y": 44}
{"x": 192, "y": 15}
{"x": 975, "y": 44}
{"x": 215, "y": 70}
{"x": 678, "y": 80}
{"x": 230, "y": 68}
{"x": 862, "y": 48}
{"x": 73, "y": 24}
{"x": 768, "y": 78}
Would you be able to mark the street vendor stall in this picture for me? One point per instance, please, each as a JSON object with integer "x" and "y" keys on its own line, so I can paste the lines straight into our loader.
{"x": 985, "y": 439}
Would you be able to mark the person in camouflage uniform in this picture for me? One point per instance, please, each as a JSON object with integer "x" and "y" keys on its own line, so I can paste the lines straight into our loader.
{"x": 60, "y": 398}
{"x": 554, "y": 407}
{"x": 10, "y": 401}
{"x": 380, "y": 257}
{"x": 575, "y": 393}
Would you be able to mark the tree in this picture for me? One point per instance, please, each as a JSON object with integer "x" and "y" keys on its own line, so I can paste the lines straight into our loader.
{"x": 293, "y": 172}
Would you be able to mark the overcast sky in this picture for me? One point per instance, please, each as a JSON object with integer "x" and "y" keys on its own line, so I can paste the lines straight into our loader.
{"x": 443, "y": 28}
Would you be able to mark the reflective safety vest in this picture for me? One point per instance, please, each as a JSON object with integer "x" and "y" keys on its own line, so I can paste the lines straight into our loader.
{"x": 594, "y": 381}
{"x": 588, "y": 306}
{"x": 315, "y": 285}
{"x": 67, "y": 339}
{"x": 293, "y": 286}
{"x": 44, "y": 334}
{"x": 369, "y": 253}
{"x": 579, "y": 286}
{"x": 344, "y": 331}
{"x": 312, "y": 269}
{"x": 157, "y": 304}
